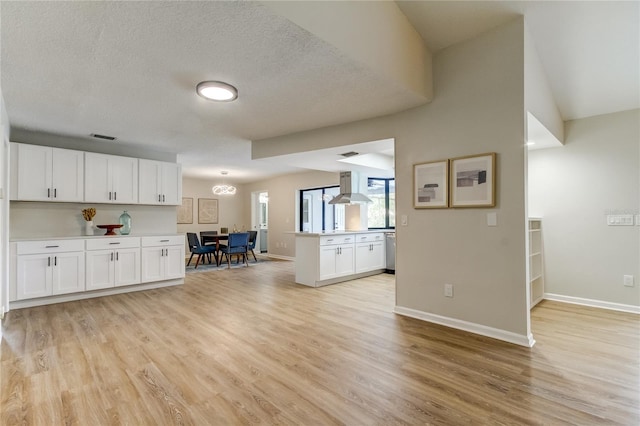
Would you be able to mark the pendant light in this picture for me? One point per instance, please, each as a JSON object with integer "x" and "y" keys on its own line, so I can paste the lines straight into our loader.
{"x": 223, "y": 189}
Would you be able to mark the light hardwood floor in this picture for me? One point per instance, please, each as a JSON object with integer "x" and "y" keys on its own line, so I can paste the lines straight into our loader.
{"x": 248, "y": 346}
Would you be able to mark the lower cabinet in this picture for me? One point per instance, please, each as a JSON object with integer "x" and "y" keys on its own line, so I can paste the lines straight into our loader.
{"x": 162, "y": 258}
{"x": 112, "y": 262}
{"x": 48, "y": 274}
{"x": 328, "y": 259}
{"x": 45, "y": 268}
{"x": 370, "y": 252}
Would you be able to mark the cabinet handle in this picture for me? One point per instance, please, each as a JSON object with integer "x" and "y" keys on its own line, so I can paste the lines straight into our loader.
{"x": 115, "y": 195}
{"x": 48, "y": 261}
{"x": 164, "y": 241}
{"x": 116, "y": 256}
{"x": 55, "y": 261}
{"x": 167, "y": 252}
{"x": 161, "y": 252}
{"x": 51, "y": 246}
{"x": 109, "y": 195}
{"x": 158, "y": 197}
{"x": 48, "y": 192}
{"x": 163, "y": 198}
{"x": 112, "y": 256}
{"x": 55, "y": 192}
{"x": 113, "y": 243}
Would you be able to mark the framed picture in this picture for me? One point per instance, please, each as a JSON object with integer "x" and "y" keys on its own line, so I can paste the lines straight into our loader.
{"x": 207, "y": 210}
{"x": 473, "y": 181}
{"x": 430, "y": 185}
{"x": 185, "y": 211}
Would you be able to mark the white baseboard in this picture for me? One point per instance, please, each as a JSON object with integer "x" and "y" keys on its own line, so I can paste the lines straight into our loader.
{"x": 593, "y": 303}
{"x": 18, "y": 304}
{"x": 277, "y": 256}
{"x": 483, "y": 330}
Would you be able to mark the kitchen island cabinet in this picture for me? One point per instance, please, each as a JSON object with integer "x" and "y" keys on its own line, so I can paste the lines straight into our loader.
{"x": 323, "y": 259}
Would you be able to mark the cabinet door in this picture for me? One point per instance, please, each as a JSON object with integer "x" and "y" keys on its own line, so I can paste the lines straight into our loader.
{"x": 97, "y": 186}
{"x": 100, "y": 269}
{"x": 67, "y": 175}
{"x": 152, "y": 260}
{"x": 34, "y": 276}
{"x": 328, "y": 256}
{"x": 68, "y": 272}
{"x": 378, "y": 256}
{"x": 124, "y": 175}
{"x": 345, "y": 260}
{"x": 174, "y": 262}
{"x": 127, "y": 266}
{"x": 171, "y": 177}
{"x": 364, "y": 257}
{"x": 150, "y": 191}
{"x": 34, "y": 173}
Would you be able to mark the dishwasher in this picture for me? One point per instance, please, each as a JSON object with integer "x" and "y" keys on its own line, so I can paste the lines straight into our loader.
{"x": 390, "y": 242}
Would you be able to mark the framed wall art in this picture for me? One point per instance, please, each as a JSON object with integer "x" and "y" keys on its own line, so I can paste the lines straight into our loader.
{"x": 185, "y": 211}
{"x": 207, "y": 210}
{"x": 473, "y": 181}
{"x": 430, "y": 185}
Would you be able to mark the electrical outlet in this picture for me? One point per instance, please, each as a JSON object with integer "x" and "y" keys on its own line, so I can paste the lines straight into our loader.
{"x": 448, "y": 290}
{"x": 628, "y": 280}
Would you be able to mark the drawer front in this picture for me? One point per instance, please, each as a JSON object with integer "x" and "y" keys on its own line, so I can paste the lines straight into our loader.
{"x": 160, "y": 241}
{"x": 49, "y": 246}
{"x": 337, "y": 239}
{"x": 370, "y": 238}
{"x": 112, "y": 243}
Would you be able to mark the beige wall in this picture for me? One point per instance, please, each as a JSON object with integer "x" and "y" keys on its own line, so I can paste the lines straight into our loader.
{"x": 573, "y": 188}
{"x": 478, "y": 108}
{"x": 283, "y": 208}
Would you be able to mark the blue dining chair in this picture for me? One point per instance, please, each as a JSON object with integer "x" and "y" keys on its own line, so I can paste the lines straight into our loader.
{"x": 253, "y": 236}
{"x": 237, "y": 244}
{"x": 196, "y": 248}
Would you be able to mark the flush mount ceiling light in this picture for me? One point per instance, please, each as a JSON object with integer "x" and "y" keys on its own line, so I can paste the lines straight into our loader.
{"x": 223, "y": 189}
{"x": 217, "y": 91}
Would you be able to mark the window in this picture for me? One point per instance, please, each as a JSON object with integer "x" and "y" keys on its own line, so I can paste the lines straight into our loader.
{"x": 382, "y": 211}
{"x": 317, "y": 215}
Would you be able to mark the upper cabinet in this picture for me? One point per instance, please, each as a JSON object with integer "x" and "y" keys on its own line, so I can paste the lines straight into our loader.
{"x": 160, "y": 183}
{"x": 110, "y": 179}
{"x": 41, "y": 173}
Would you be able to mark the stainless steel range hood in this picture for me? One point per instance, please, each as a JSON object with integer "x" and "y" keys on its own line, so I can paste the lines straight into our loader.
{"x": 350, "y": 184}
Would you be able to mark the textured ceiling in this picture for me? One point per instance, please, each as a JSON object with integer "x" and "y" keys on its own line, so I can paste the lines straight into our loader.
{"x": 129, "y": 69}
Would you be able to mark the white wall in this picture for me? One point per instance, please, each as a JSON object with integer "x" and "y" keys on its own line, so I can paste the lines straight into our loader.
{"x": 283, "y": 205}
{"x": 573, "y": 188}
{"x": 478, "y": 107}
{"x": 4, "y": 208}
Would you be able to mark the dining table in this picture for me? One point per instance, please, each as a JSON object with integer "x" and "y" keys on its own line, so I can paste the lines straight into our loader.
{"x": 209, "y": 238}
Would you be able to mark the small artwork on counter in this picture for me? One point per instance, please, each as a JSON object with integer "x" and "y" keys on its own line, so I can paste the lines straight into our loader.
{"x": 207, "y": 210}
{"x": 473, "y": 181}
{"x": 430, "y": 185}
{"x": 185, "y": 211}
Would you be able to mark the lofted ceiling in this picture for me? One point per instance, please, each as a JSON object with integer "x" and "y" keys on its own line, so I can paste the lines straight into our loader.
{"x": 129, "y": 69}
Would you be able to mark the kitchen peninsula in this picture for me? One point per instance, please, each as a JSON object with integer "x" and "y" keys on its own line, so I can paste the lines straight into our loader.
{"x": 329, "y": 258}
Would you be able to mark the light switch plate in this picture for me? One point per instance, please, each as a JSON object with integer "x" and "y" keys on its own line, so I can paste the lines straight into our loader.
{"x": 404, "y": 220}
{"x": 620, "y": 220}
{"x": 492, "y": 219}
{"x": 628, "y": 280}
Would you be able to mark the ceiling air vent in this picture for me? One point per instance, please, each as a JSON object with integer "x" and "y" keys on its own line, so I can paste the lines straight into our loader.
{"x": 105, "y": 137}
{"x": 349, "y": 154}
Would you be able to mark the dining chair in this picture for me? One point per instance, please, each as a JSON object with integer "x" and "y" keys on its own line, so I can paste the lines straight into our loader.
{"x": 196, "y": 248}
{"x": 253, "y": 236}
{"x": 237, "y": 244}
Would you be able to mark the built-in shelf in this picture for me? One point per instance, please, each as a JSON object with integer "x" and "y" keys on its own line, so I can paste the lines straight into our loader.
{"x": 536, "y": 262}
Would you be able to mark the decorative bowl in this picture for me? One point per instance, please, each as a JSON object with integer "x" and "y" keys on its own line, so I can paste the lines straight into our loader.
{"x": 110, "y": 228}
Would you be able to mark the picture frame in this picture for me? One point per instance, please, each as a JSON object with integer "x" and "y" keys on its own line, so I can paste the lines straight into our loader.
{"x": 473, "y": 180}
{"x": 185, "y": 211}
{"x": 431, "y": 185}
{"x": 207, "y": 210}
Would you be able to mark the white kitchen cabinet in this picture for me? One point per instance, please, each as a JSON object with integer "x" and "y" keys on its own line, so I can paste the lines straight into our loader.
{"x": 336, "y": 256}
{"x": 49, "y": 268}
{"x": 162, "y": 258}
{"x": 40, "y": 173}
{"x": 112, "y": 262}
{"x": 370, "y": 252}
{"x": 160, "y": 183}
{"x": 110, "y": 179}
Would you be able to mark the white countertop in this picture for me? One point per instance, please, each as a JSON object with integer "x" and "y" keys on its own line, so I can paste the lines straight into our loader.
{"x": 87, "y": 237}
{"x": 318, "y": 234}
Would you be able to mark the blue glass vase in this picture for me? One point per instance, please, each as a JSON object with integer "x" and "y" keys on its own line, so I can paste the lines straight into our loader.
{"x": 125, "y": 221}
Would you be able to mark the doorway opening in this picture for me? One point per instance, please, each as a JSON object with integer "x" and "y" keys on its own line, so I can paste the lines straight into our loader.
{"x": 260, "y": 219}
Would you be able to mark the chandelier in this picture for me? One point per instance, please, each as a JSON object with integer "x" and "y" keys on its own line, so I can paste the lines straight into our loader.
{"x": 223, "y": 189}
